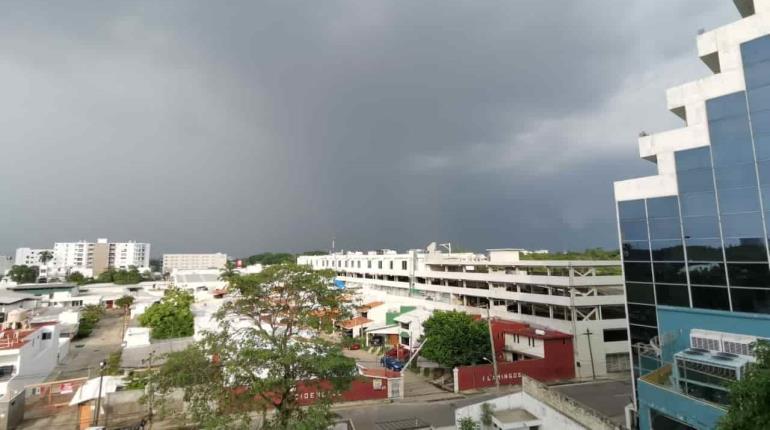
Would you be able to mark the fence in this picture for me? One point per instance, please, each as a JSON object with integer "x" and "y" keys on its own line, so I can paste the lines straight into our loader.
{"x": 510, "y": 373}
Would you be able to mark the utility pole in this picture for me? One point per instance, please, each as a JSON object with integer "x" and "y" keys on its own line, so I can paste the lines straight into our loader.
{"x": 150, "y": 396}
{"x": 99, "y": 398}
{"x": 492, "y": 345}
{"x": 588, "y": 334}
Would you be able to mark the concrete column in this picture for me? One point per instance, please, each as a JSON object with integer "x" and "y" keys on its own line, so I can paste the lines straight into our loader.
{"x": 456, "y": 374}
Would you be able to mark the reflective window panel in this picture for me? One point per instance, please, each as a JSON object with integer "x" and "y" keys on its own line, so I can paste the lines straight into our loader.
{"x": 749, "y": 275}
{"x": 710, "y": 298}
{"x": 707, "y": 273}
{"x": 751, "y": 300}
{"x": 699, "y": 158}
{"x": 640, "y": 293}
{"x": 670, "y": 273}
{"x": 641, "y": 334}
{"x": 638, "y": 272}
{"x": 745, "y": 249}
{"x": 637, "y": 250}
{"x": 632, "y": 209}
{"x": 633, "y": 230}
{"x": 672, "y": 295}
{"x": 699, "y": 204}
{"x": 667, "y": 250}
{"x": 704, "y": 249}
{"x": 642, "y": 314}
{"x": 663, "y": 207}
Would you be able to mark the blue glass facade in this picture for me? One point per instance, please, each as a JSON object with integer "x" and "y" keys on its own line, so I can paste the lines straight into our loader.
{"x": 705, "y": 251}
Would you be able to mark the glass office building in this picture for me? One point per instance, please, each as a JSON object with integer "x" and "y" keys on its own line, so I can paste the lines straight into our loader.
{"x": 695, "y": 237}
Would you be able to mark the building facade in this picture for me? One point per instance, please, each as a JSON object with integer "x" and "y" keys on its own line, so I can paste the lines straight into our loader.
{"x": 173, "y": 262}
{"x": 582, "y": 298}
{"x": 29, "y": 256}
{"x": 695, "y": 236}
{"x": 94, "y": 258}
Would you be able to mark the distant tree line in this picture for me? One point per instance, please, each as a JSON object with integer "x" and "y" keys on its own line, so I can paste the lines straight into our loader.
{"x": 271, "y": 258}
{"x": 588, "y": 254}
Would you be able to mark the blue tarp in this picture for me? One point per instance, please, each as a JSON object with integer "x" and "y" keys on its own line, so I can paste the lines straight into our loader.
{"x": 339, "y": 283}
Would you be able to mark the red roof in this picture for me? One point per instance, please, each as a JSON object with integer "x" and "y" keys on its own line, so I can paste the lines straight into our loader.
{"x": 14, "y": 339}
{"x": 355, "y": 322}
{"x": 366, "y": 306}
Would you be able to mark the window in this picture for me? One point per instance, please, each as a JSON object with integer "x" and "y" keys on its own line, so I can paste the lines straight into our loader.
{"x": 661, "y": 421}
{"x": 368, "y": 264}
{"x": 745, "y": 249}
{"x": 403, "y": 265}
{"x": 642, "y": 314}
{"x": 640, "y": 334}
{"x": 695, "y": 180}
{"x": 46, "y": 335}
{"x": 751, "y": 300}
{"x": 379, "y": 264}
{"x": 611, "y": 312}
{"x": 665, "y": 228}
{"x": 638, "y": 272}
{"x": 636, "y": 250}
{"x": 698, "y": 158}
{"x": 633, "y": 230}
{"x": 700, "y": 227}
{"x": 749, "y": 275}
{"x": 663, "y": 207}
{"x": 667, "y": 250}
{"x": 704, "y": 249}
{"x": 710, "y": 298}
{"x": 633, "y": 209}
{"x": 640, "y": 293}
{"x": 615, "y": 335}
{"x": 704, "y": 273}
{"x": 670, "y": 273}
{"x": 391, "y": 265}
{"x": 672, "y": 295}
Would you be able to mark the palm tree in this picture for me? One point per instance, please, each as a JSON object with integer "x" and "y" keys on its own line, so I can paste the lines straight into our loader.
{"x": 45, "y": 257}
{"x": 228, "y": 273}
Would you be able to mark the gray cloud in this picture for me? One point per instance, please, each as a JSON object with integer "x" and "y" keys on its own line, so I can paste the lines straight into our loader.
{"x": 279, "y": 125}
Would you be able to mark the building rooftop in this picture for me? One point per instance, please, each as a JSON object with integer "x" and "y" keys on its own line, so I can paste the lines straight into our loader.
{"x": 354, "y": 322}
{"x": 9, "y": 297}
{"x": 512, "y": 416}
{"x": 53, "y": 285}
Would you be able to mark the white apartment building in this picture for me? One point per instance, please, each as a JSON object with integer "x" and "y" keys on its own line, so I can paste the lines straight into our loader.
{"x": 582, "y": 298}
{"x": 173, "y": 262}
{"x": 29, "y": 256}
{"x": 99, "y": 256}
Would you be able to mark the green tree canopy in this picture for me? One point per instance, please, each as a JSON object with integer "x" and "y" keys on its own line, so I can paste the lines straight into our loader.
{"x": 77, "y": 278}
{"x": 171, "y": 317}
{"x": 258, "y": 366}
{"x": 270, "y": 258}
{"x": 121, "y": 276}
{"x": 454, "y": 338}
{"x": 228, "y": 272}
{"x": 125, "y": 302}
{"x": 588, "y": 254}
{"x": 750, "y": 396}
{"x": 23, "y": 274}
{"x": 45, "y": 256}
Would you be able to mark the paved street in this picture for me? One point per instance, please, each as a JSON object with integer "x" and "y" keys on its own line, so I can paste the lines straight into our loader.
{"x": 86, "y": 353}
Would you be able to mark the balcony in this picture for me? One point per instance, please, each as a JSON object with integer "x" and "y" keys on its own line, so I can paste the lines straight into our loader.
{"x": 656, "y": 391}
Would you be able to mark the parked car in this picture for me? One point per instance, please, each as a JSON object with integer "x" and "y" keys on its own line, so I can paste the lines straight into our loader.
{"x": 398, "y": 352}
{"x": 354, "y": 346}
{"x": 392, "y": 363}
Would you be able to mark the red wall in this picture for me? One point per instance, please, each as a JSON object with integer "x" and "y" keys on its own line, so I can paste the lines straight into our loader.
{"x": 557, "y": 364}
{"x": 360, "y": 389}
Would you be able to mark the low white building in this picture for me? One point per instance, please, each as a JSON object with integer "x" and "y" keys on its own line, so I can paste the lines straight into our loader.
{"x": 173, "y": 262}
{"x": 30, "y": 256}
{"x": 536, "y": 407}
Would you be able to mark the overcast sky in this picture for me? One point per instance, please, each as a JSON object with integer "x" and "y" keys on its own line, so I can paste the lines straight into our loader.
{"x": 263, "y": 126}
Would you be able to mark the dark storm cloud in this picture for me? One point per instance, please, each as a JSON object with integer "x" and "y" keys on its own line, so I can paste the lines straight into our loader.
{"x": 246, "y": 126}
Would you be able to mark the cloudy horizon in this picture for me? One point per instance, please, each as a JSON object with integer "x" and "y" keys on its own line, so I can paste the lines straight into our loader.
{"x": 277, "y": 126}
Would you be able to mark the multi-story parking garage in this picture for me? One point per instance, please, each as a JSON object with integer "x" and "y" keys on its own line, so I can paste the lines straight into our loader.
{"x": 582, "y": 298}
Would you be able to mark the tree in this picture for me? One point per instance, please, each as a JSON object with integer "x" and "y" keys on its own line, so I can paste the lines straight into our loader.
{"x": 228, "y": 273}
{"x": 156, "y": 265}
{"x": 467, "y": 423}
{"x": 171, "y": 317}
{"x": 45, "y": 257}
{"x": 455, "y": 339}
{"x": 258, "y": 365}
{"x": 23, "y": 274}
{"x": 125, "y": 302}
{"x": 77, "y": 278}
{"x": 270, "y": 258}
{"x": 750, "y": 396}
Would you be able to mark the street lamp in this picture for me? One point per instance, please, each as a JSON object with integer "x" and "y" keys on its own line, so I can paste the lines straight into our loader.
{"x": 102, "y": 365}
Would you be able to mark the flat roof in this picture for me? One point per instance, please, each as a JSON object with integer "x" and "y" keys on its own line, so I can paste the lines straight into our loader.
{"x": 510, "y": 416}
{"x": 8, "y": 297}
{"x": 42, "y": 286}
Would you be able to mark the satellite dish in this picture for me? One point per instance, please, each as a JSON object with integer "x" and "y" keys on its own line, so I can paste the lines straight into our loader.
{"x": 432, "y": 247}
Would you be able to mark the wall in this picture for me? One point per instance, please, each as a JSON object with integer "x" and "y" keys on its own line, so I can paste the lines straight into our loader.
{"x": 558, "y": 365}
{"x": 695, "y": 413}
{"x": 12, "y": 412}
{"x": 360, "y": 389}
{"x": 554, "y": 410}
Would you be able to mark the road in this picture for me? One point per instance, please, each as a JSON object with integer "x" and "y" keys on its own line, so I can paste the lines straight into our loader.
{"x": 85, "y": 354}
